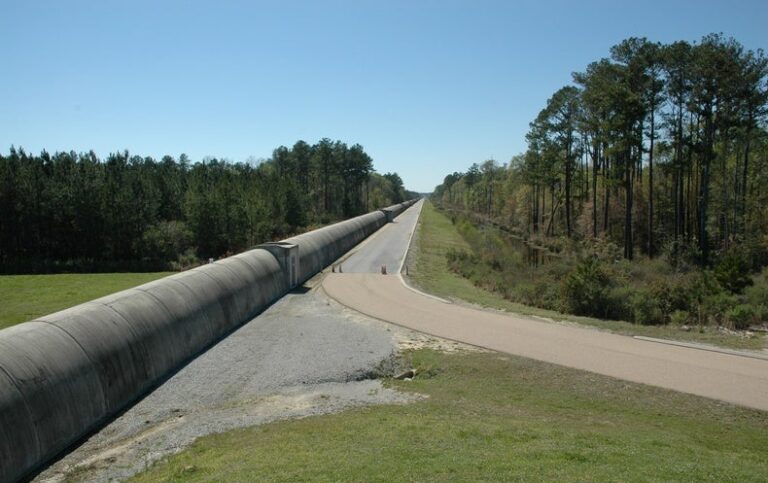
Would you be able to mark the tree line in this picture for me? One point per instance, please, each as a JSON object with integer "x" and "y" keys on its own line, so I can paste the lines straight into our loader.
{"x": 74, "y": 211}
{"x": 657, "y": 148}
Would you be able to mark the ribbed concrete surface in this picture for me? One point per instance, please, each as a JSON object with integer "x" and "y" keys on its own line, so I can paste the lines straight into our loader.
{"x": 386, "y": 248}
{"x": 67, "y": 373}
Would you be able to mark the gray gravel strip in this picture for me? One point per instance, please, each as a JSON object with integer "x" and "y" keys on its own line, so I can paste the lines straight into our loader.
{"x": 303, "y": 356}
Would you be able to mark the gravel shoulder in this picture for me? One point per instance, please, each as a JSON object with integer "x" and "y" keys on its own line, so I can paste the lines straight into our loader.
{"x": 306, "y": 355}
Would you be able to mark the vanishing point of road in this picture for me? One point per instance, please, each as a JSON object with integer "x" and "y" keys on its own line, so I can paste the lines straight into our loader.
{"x": 725, "y": 376}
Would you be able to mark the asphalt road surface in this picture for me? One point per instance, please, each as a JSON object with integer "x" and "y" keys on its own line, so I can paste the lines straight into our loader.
{"x": 727, "y": 377}
{"x": 386, "y": 247}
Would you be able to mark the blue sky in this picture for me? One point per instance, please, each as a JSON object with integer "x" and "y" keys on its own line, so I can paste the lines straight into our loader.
{"x": 427, "y": 87}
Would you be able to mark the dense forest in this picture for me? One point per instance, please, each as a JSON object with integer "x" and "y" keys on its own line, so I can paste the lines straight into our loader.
{"x": 70, "y": 211}
{"x": 658, "y": 151}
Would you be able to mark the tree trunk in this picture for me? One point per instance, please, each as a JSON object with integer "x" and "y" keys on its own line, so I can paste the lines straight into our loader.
{"x": 607, "y": 196}
{"x": 650, "y": 187}
{"x": 551, "y": 224}
{"x": 628, "y": 242}
{"x": 568, "y": 176}
{"x": 704, "y": 187}
{"x": 745, "y": 173}
{"x": 595, "y": 157}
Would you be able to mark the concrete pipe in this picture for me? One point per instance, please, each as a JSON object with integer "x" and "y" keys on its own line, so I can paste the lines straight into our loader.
{"x": 318, "y": 248}
{"x": 64, "y": 374}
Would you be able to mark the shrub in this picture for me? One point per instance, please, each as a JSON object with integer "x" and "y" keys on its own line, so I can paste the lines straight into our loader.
{"x": 618, "y": 305}
{"x": 681, "y": 255}
{"x": 679, "y": 317}
{"x": 755, "y": 250}
{"x": 540, "y": 293}
{"x": 585, "y": 288}
{"x": 732, "y": 272}
{"x": 454, "y": 255}
{"x": 526, "y": 293}
{"x": 715, "y": 307}
{"x": 603, "y": 249}
{"x": 670, "y": 294}
{"x": 550, "y": 294}
{"x": 166, "y": 241}
{"x": 557, "y": 269}
{"x": 185, "y": 261}
{"x": 741, "y": 316}
{"x": 645, "y": 309}
{"x": 757, "y": 293}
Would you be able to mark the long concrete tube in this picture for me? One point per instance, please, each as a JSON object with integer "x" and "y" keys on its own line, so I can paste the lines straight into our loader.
{"x": 65, "y": 374}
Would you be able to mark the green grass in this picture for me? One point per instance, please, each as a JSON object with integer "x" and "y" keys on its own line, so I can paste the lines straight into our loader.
{"x": 495, "y": 418}
{"x": 429, "y": 271}
{"x": 26, "y": 297}
{"x": 491, "y": 417}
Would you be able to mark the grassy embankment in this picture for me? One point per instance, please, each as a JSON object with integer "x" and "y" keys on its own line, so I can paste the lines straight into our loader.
{"x": 25, "y": 297}
{"x": 429, "y": 271}
{"x": 492, "y": 417}
{"x": 495, "y": 418}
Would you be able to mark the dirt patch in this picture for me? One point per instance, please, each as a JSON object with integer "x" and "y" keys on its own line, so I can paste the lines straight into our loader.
{"x": 108, "y": 457}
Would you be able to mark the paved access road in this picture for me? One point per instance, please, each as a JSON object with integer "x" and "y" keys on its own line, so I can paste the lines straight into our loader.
{"x": 736, "y": 379}
{"x": 387, "y": 247}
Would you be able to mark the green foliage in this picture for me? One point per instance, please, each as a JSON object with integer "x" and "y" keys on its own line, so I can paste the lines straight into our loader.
{"x": 733, "y": 272}
{"x": 76, "y": 212}
{"x": 617, "y": 166}
{"x": 742, "y": 316}
{"x": 166, "y": 240}
{"x": 646, "y": 143}
{"x": 670, "y": 294}
{"x": 590, "y": 280}
{"x": 757, "y": 294}
{"x": 535, "y": 289}
{"x": 715, "y": 307}
{"x": 585, "y": 289}
{"x": 646, "y": 309}
{"x": 618, "y": 304}
{"x": 679, "y": 317}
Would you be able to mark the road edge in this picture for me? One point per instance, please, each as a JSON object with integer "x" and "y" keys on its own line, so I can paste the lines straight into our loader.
{"x": 405, "y": 257}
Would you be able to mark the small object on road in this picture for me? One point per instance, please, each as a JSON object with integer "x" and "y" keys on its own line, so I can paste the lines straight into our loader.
{"x": 383, "y": 269}
{"x": 333, "y": 268}
{"x": 340, "y": 270}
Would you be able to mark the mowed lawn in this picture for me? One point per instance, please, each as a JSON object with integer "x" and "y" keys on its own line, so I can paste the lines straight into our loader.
{"x": 25, "y": 297}
{"x": 494, "y": 417}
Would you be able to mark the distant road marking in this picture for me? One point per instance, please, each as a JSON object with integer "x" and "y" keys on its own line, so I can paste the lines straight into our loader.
{"x": 704, "y": 347}
{"x": 410, "y": 239}
{"x": 405, "y": 256}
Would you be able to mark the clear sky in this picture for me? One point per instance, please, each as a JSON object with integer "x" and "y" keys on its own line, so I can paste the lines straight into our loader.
{"x": 427, "y": 87}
